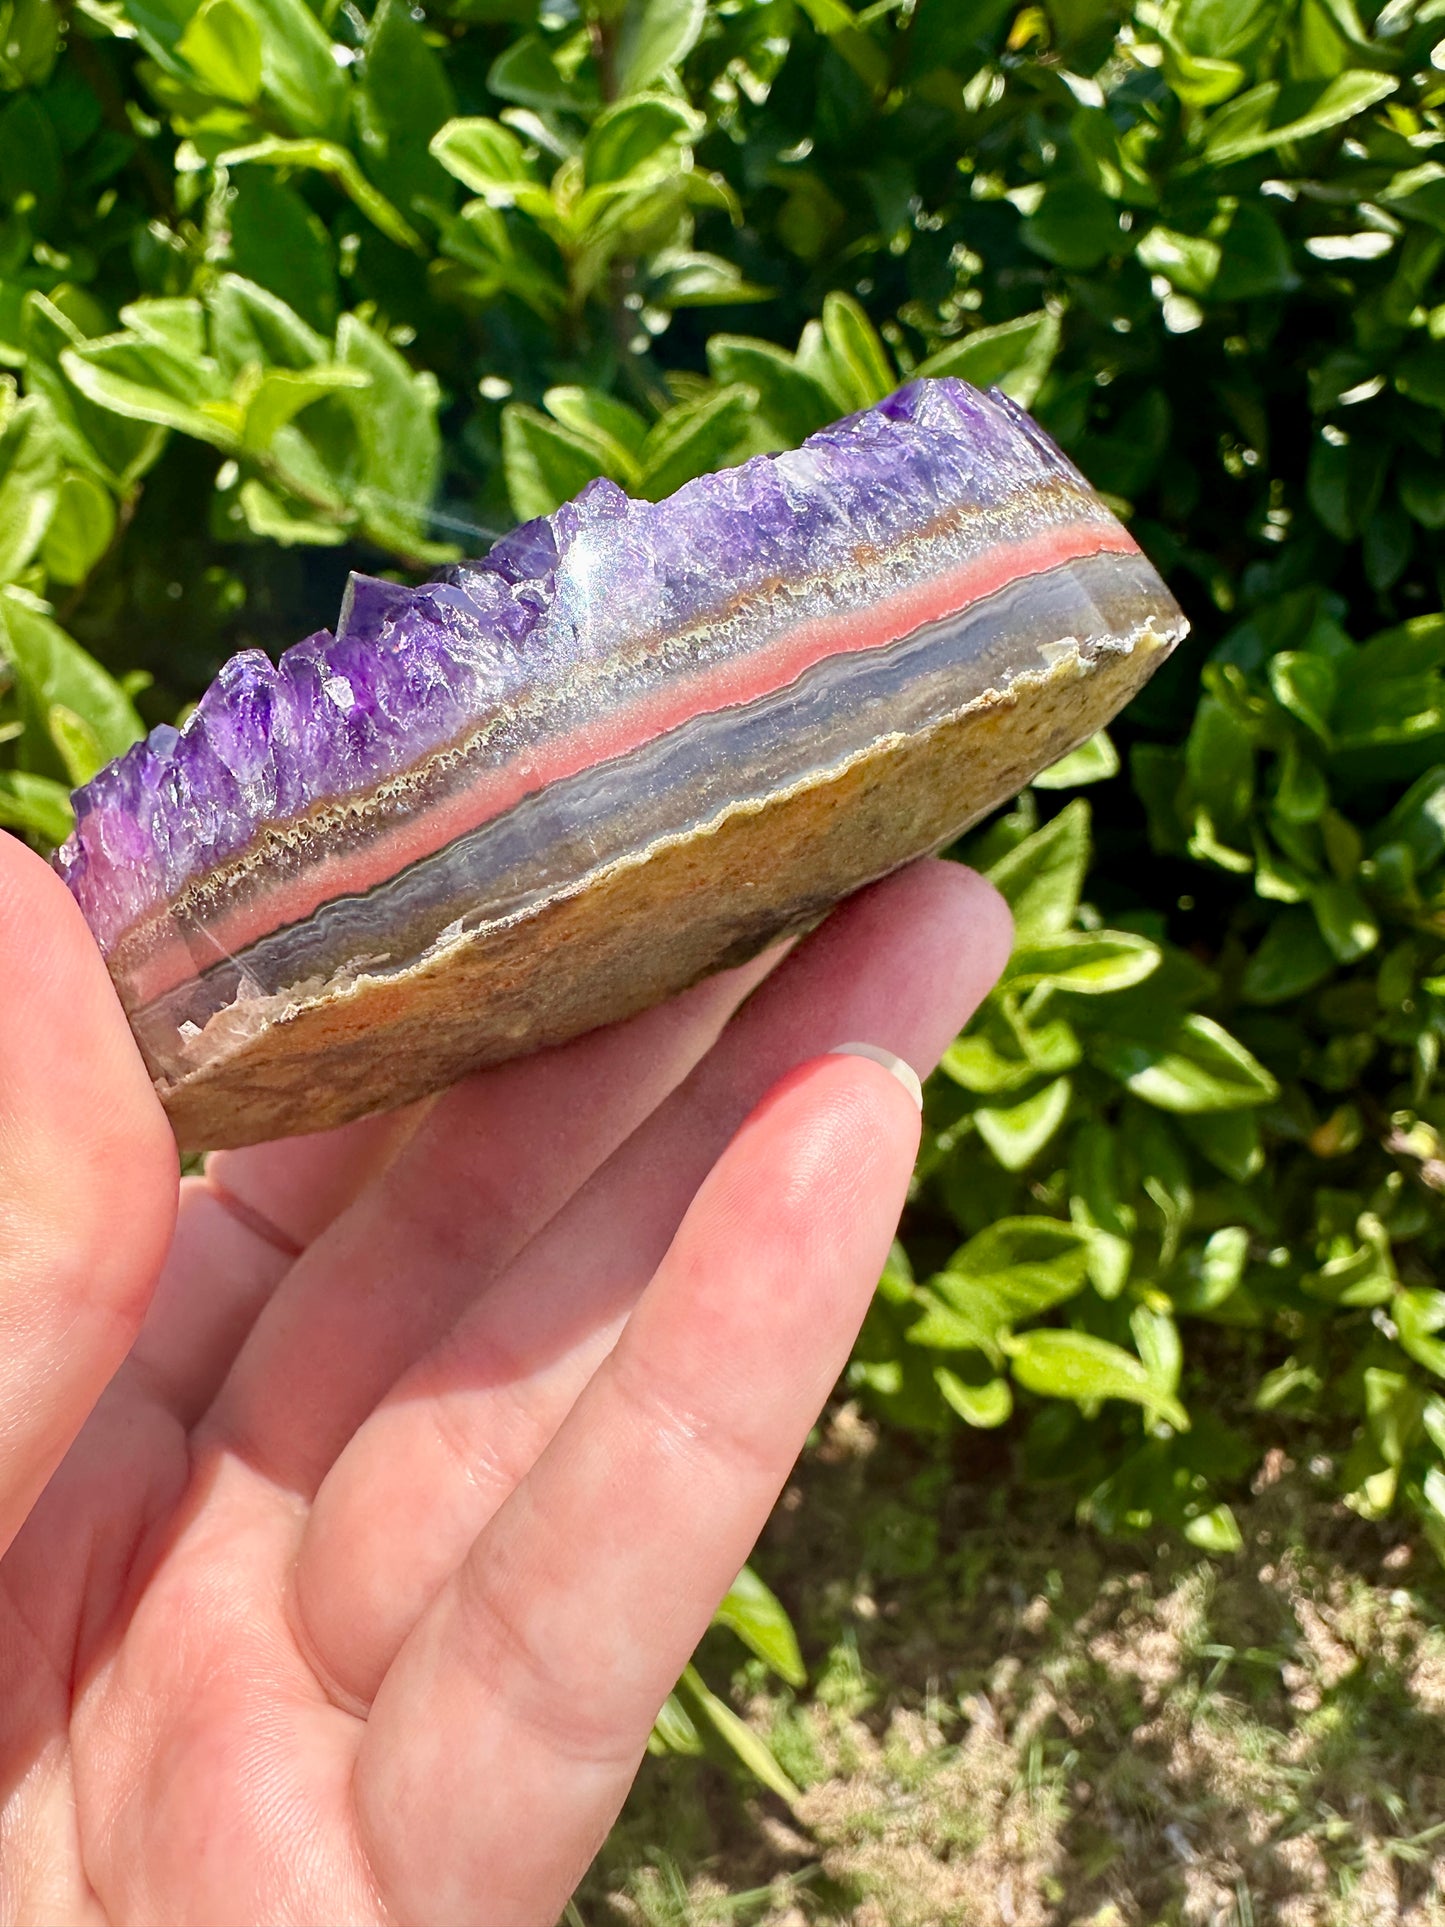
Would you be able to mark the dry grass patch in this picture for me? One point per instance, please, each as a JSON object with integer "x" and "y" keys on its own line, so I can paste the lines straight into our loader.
{"x": 1013, "y": 1724}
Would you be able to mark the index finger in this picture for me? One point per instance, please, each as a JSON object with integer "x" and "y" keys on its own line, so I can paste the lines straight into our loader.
{"x": 538, "y": 1672}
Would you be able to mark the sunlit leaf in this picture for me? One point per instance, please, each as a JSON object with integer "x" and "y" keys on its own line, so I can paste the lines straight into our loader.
{"x": 757, "y": 1616}
{"x": 1078, "y": 1366}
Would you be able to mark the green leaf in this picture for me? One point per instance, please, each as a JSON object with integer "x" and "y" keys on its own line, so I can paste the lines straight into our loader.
{"x": 982, "y": 1406}
{"x": 1421, "y": 375}
{"x": 80, "y": 528}
{"x": 1193, "y": 1065}
{"x": 1281, "y": 111}
{"x": 1292, "y": 959}
{"x": 673, "y": 1731}
{"x": 1200, "y": 81}
{"x": 1017, "y": 1135}
{"x": 638, "y": 138}
{"x": 222, "y": 46}
{"x": 1302, "y": 793}
{"x": 270, "y": 514}
{"x": 1164, "y": 1177}
{"x": 1094, "y": 1182}
{"x": 545, "y": 464}
{"x": 1092, "y": 762}
{"x": 282, "y": 393}
{"x": 1418, "y": 1315}
{"x": 37, "y": 805}
{"x": 1348, "y": 925}
{"x": 1394, "y": 1406}
{"x": 340, "y": 166}
{"x": 77, "y": 743}
{"x": 1306, "y": 686}
{"x": 50, "y": 670}
{"x": 253, "y": 326}
{"x": 693, "y": 439}
{"x": 1418, "y": 193}
{"x": 617, "y": 431}
{"x": 404, "y": 98}
{"x": 753, "y": 1751}
{"x": 1215, "y": 1531}
{"x": 32, "y": 167}
{"x": 1078, "y": 1366}
{"x": 29, "y": 42}
{"x": 396, "y": 424}
{"x": 1218, "y": 1270}
{"x": 1157, "y": 1337}
{"x": 1219, "y": 759}
{"x": 757, "y": 1616}
{"x": 1005, "y": 1058}
{"x": 655, "y": 34}
{"x": 1074, "y": 226}
{"x": 1015, "y": 356}
{"x": 29, "y": 482}
{"x": 792, "y": 403}
{"x": 1090, "y": 963}
{"x": 1016, "y": 1268}
{"x": 1189, "y": 262}
{"x": 1418, "y": 821}
{"x": 298, "y": 70}
{"x": 488, "y": 158}
{"x": 1110, "y": 1261}
{"x": 1255, "y": 258}
{"x": 116, "y": 450}
{"x": 830, "y": 16}
{"x": 1410, "y": 649}
{"x": 526, "y": 73}
{"x": 861, "y": 362}
{"x": 148, "y": 384}
{"x": 1042, "y": 877}
{"x": 173, "y": 323}
{"x": 686, "y": 278}
{"x": 859, "y": 49}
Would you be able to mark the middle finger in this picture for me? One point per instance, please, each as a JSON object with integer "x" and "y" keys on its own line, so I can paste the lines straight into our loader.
{"x": 490, "y": 1163}
{"x": 902, "y": 965}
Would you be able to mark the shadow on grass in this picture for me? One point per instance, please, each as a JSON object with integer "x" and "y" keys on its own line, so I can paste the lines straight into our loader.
{"x": 1012, "y": 1723}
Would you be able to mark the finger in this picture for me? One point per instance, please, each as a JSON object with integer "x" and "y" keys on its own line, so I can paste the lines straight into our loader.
{"x": 903, "y": 964}
{"x": 87, "y": 1178}
{"x": 492, "y": 1161}
{"x": 294, "y": 1188}
{"x": 538, "y": 1672}
{"x": 241, "y": 1226}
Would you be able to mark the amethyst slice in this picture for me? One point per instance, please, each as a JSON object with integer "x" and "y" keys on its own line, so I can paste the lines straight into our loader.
{"x": 630, "y": 745}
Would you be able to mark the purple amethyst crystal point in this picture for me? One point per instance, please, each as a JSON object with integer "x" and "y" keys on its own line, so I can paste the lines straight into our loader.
{"x": 526, "y": 555}
{"x": 368, "y": 605}
{"x": 632, "y": 742}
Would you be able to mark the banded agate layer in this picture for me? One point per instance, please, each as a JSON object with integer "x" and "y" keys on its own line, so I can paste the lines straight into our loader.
{"x": 615, "y": 680}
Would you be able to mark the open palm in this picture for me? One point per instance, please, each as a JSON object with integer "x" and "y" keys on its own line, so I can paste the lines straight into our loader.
{"x": 362, "y": 1514}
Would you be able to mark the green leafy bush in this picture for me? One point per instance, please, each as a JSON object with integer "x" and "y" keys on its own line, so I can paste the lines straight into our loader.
{"x": 285, "y": 288}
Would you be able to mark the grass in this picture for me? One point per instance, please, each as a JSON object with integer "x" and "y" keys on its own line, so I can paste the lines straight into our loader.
{"x": 1013, "y": 1723}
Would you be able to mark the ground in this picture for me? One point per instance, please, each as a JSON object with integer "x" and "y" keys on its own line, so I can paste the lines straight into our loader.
{"x": 1011, "y": 1721}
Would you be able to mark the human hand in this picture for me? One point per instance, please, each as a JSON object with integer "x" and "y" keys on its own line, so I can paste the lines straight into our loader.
{"x": 362, "y": 1513}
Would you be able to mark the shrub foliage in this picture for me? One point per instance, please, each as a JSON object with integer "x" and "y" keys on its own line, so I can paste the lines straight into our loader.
{"x": 286, "y": 288}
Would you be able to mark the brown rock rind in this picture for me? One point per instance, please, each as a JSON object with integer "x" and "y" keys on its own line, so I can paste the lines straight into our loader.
{"x": 646, "y": 927}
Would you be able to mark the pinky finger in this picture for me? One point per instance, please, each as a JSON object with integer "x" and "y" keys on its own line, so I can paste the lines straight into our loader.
{"x": 504, "y": 1739}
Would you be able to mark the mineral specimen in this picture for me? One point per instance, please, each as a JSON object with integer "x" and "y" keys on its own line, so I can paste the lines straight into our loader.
{"x": 628, "y": 746}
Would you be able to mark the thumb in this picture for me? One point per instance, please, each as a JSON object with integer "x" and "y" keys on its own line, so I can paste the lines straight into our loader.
{"x": 87, "y": 1179}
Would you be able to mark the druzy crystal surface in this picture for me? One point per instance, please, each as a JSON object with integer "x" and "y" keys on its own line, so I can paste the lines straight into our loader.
{"x": 326, "y": 836}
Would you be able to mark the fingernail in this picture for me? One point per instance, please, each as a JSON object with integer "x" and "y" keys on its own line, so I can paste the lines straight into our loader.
{"x": 895, "y": 1066}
